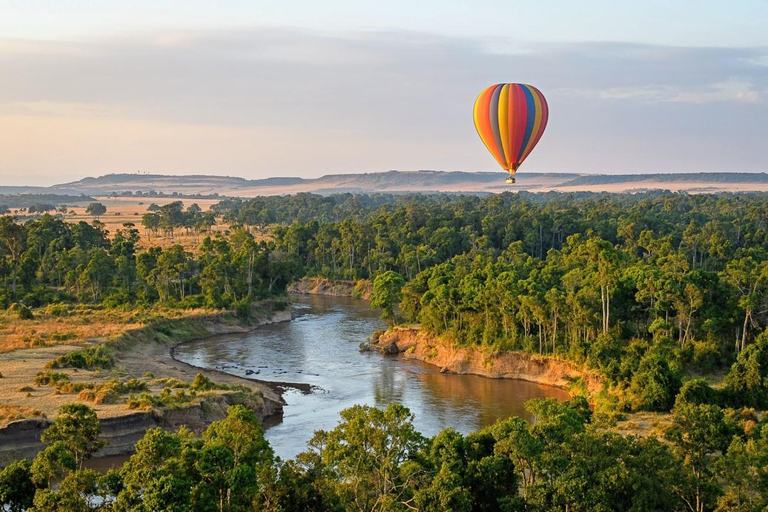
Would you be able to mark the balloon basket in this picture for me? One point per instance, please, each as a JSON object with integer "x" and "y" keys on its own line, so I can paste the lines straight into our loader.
{"x": 510, "y": 181}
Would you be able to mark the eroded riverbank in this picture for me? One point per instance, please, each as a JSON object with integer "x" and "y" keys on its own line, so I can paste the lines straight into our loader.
{"x": 413, "y": 343}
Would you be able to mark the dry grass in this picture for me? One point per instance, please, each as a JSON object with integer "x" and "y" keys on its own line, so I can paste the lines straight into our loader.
{"x": 106, "y": 390}
{"x": 645, "y": 424}
{"x": 9, "y": 413}
{"x": 130, "y": 210}
{"x": 80, "y": 325}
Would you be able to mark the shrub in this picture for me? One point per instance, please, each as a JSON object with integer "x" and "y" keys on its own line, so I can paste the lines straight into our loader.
{"x": 57, "y": 310}
{"x": 48, "y": 378}
{"x": 106, "y": 396}
{"x": 202, "y": 383}
{"x": 143, "y": 402}
{"x": 89, "y": 358}
{"x": 63, "y": 336}
{"x": 697, "y": 391}
{"x": 654, "y": 386}
{"x": 22, "y": 311}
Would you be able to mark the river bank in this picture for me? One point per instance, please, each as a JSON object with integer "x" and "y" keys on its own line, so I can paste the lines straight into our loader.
{"x": 413, "y": 343}
{"x": 360, "y": 289}
{"x": 143, "y": 353}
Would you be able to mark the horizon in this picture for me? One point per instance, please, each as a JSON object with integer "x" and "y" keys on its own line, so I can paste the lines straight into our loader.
{"x": 260, "y": 91}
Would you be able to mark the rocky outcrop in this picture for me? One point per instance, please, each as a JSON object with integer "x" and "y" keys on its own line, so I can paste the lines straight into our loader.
{"x": 319, "y": 286}
{"x": 413, "y": 343}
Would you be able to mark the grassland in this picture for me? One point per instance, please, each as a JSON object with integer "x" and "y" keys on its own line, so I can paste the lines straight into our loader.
{"x": 142, "y": 373}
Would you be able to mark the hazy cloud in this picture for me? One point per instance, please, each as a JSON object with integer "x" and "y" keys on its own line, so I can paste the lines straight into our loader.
{"x": 366, "y": 102}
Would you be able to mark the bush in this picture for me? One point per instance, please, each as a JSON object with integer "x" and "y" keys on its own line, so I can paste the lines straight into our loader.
{"x": 191, "y": 302}
{"x": 63, "y": 336}
{"x": 745, "y": 382}
{"x": 57, "y": 310}
{"x": 706, "y": 355}
{"x": 697, "y": 391}
{"x": 654, "y": 386}
{"x": 22, "y": 311}
{"x": 243, "y": 310}
{"x": 50, "y": 378}
{"x": 89, "y": 358}
{"x": 202, "y": 383}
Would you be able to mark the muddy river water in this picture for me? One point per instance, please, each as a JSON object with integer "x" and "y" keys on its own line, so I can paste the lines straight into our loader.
{"x": 320, "y": 348}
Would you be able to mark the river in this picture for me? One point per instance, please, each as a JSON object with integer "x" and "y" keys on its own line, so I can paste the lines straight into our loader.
{"x": 320, "y": 347}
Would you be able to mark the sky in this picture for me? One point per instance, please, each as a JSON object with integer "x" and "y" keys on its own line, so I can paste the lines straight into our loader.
{"x": 307, "y": 88}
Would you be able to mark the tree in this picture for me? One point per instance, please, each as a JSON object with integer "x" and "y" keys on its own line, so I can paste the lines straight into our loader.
{"x": 151, "y": 223}
{"x": 158, "y": 476}
{"x": 78, "y": 428}
{"x": 654, "y": 386}
{"x": 746, "y": 380}
{"x": 387, "y": 293}
{"x": 16, "y": 487}
{"x": 373, "y": 452}
{"x": 697, "y": 433}
{"x": 13, "y": 238}
{"x": 234, "y": 452}
{"x": 96, "y": 209}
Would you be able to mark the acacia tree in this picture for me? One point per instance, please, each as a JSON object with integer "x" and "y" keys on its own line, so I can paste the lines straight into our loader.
{"x": 96, "y": 210}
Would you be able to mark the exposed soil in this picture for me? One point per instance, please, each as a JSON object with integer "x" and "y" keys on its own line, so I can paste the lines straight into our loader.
{"x": 413, "y": 343}
{"x": 319, "y": 286}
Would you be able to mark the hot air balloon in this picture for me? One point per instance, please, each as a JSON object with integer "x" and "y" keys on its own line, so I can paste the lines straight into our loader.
{"x": 510, "y": 119}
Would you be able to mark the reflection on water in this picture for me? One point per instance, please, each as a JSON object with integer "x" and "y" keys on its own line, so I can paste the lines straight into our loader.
{"x": 321, "y": 348}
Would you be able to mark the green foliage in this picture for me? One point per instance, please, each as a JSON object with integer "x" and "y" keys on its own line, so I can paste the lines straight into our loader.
{"x": 747, "y": 381}
{"x": 387, "y": 293}
{"x": 698, "y": 432}
{"x": 375, "y": 460}
{"x": 373, "y": 451}
{"x": 89, "y": 358}
{"x": 78, "y": 428}
{"x": 22, "y": 311}
{"x": 698, "y": 392}
{"x": 48, "y": 378}
{"x": 654, "y": 385}
{"x": 16, "y": 487}
{"x": 47, "y": 260}
{"x": 96, "y": 209}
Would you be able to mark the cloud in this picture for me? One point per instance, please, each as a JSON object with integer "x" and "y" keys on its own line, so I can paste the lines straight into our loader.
{"x": 729, "y": 91}
{"x": 372, "y": 101}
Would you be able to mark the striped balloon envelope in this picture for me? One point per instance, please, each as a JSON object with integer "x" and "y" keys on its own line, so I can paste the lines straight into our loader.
{"x": 510, "y": 119}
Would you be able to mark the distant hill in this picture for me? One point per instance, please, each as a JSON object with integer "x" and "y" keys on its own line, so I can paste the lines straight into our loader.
{"x": 401, "y": 181}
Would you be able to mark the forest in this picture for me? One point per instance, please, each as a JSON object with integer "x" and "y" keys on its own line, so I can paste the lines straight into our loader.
{"x": 374, "y": 460}
{"x": 663, "y": 295}
{"x": 49, "y": 261}
{"x": 649, "y": 290}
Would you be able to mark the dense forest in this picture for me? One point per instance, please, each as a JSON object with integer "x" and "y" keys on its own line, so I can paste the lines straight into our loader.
{"x": 645, "y": 289}
{"x": 375, "y": 460}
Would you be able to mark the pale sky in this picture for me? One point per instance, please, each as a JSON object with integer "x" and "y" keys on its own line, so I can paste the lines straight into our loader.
{"x": 306, "y": 88}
